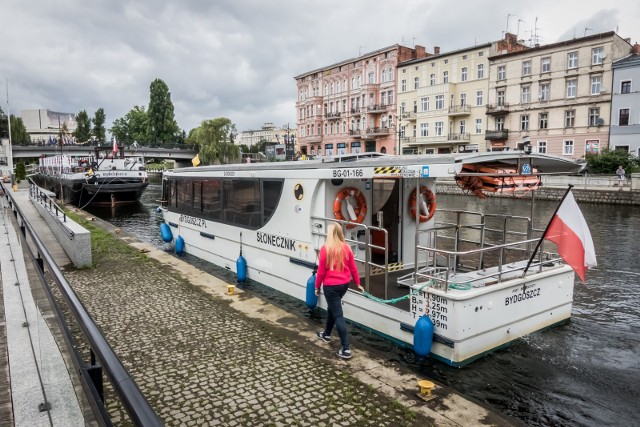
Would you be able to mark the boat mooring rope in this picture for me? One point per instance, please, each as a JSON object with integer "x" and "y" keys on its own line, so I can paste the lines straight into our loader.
{"x": 458, "y": 286}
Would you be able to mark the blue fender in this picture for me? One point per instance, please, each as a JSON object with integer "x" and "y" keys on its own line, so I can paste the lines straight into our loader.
{"x": 241, "y": 268}
{"x": 179, "y": 245}
{"x": 312, "y": 298}
{"x": 165, "y": 232}
{"x": 423, "y": 336}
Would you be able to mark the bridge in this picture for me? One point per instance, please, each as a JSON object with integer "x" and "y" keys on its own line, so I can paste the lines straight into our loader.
{"x": 181, "y": 156}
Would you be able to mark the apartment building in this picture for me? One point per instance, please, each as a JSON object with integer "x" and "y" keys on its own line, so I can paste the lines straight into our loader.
{"x": 625, "y": 104}
{"x": 350, "y": 107}
{"x": 442, "y": 98}
{"x": 557, "y": 97}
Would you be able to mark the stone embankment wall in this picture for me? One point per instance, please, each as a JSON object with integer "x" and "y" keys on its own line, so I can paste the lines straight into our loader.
{"x": 610, "y": 195}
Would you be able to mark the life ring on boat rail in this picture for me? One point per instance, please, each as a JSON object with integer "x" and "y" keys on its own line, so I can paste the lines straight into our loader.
{"x": 427, "y": 204}
{"x": 357, "y": 212}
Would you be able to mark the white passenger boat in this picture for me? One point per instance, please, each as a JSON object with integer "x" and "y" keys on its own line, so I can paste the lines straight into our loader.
{"x": 464, "y": 270}
{"x": 106, "y": 179}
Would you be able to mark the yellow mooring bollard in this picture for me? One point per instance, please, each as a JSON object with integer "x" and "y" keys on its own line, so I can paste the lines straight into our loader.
{"x": 425, "y": 389}
{"x": 231, "y": 290}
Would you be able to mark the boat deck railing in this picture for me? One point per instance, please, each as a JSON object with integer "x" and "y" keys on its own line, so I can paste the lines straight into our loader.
{"x": 477, "y": 250}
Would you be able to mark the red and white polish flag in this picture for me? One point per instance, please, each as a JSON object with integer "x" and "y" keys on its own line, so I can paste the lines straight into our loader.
{"x": 115, "y": 145}
{"x": 570, "y": 232}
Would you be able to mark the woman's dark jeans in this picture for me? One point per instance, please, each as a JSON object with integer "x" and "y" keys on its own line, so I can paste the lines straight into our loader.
{"x": 334, "y": 295}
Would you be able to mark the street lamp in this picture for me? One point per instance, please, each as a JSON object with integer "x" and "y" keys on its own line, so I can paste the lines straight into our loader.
{"x": 289, "y": 142}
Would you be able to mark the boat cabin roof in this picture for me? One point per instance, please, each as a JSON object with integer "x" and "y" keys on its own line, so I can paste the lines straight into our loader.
{"x": 370, "y": 165}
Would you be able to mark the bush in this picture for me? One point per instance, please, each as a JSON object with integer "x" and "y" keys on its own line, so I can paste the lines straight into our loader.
{"x": 608, "y": 161}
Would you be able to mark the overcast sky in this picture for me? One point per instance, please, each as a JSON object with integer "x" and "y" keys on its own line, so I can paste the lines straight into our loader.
{"x": 238, "y": 58}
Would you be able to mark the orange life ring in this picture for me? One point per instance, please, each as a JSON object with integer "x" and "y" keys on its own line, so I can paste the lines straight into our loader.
{"x": 430, "y": 200}
{"x": 360, "y": 209}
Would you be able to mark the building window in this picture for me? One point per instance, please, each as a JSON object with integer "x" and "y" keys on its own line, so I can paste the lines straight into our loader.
{"x": 463, "y": 99}
{"x": 542, "y": 147}
{"x": 481, "y": 71}
{"x": 545, "y": 65}
{"x": 480, "y": 53}
{"x": 439, "y": 128}
{"x": 625, "y": 87}
{"x": 597, "y": 54}
{"x": 416, "y": 82}
{"x": 623, "y": 117}
{"x": 526, "y": 68}
{"x": 524, "y": 122}
{"x": 525, "y": 94}
{"x": 567, "y": 149}
{"x": 425, "y": 103}
{"x": 478, "y": 125}
{"x": 390, "y": 96}
{"x": 501, "y": 98}
{"x": 445, "y": 77}
{"x": 500, "y": 123}
{"x": 572, "y": 60}
{"x": 404, "y": 85}
{"x": 572, "y": 88}
{"x": 439, "y": 102}
{"x": 432, "y": 79}
{"x": 594, "y": 115}
{"x": 463, "y": 74}
{"x": 479, "y": 98}
{"x": 502, "y": 72}
{"x": 424, "y": 129}
{"x": 569, "y": 118}
{"x": 596, "y": 82}
{"x": 463, "y": 127}
{"x": 544, "y": 92}
{"x": 543, "y": 122}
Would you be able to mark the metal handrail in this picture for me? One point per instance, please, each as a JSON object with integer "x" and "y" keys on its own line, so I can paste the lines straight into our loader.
{"x": 134, "y": 401}
{"x": 51, "y": 206}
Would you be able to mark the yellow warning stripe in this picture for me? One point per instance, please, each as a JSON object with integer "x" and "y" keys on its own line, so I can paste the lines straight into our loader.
{"x": 387, "y": 170}
{"x": 398, "y": 266}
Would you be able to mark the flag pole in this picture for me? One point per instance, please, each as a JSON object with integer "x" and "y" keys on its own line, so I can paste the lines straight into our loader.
{"x": 533, "y": 255}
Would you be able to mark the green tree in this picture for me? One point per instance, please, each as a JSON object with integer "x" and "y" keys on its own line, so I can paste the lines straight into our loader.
{"x": 161, "y": 125}
{"x": 132, "y": 127}
{"x": 98, "y": 126}
{"x": 608, "y": 161}
{"x": 214, "y": 139}
{"x": 4, "y": 125}
{"x": 21, "y": 171}
{"x": 19, "y": 133}
{"x": 83, "y": 128}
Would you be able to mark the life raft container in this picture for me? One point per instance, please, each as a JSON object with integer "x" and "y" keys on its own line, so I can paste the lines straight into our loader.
{"x": 356, "y": 213}
{"x": 428, "y": 200}
{"x": 496, "y": 178}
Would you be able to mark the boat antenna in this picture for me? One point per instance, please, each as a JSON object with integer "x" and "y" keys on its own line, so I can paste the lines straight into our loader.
{"x": 533, "y": 255}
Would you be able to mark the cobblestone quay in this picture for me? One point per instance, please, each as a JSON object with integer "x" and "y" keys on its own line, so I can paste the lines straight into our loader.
{"x": 206, "y": 358}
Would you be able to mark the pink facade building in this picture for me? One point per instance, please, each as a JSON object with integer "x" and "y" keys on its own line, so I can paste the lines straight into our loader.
{"x": 350, "y": 107}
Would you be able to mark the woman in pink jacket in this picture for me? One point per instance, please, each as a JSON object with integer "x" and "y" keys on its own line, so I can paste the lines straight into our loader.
{"x": 336, "y": 267}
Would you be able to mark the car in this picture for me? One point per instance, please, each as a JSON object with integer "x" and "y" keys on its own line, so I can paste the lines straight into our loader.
{"x": 6, "y": 179}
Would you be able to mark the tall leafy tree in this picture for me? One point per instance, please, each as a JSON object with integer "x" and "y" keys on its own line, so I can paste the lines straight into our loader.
{"x": 83, "y": 127}
{"x": 4, "y": 125}
{"x": 98, "y": 125}
{"x": 19, "y": 133}
{"x": 132, "y": 127}
{"x": 161, "y": 126}
{"x": 214, "y": 139}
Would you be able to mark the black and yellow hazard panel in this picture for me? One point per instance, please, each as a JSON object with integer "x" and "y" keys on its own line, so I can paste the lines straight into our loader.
{"x": 398, "y": 266}
{"x": 387, "y": 170}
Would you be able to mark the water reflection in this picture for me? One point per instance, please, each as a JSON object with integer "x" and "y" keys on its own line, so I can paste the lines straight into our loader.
{"x": 584, "y": 373}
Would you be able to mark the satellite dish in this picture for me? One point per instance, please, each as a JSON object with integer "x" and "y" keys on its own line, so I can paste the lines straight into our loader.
{"x": 599, "y": 121}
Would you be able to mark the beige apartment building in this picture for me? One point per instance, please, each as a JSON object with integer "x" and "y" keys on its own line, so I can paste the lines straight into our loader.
{"x": 350, "y": 107}
{"x": 442, "y": 99}
{"x": 556, "y": 97}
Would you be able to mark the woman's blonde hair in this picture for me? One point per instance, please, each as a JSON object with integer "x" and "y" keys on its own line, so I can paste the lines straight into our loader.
{"x": 335, "y": 247}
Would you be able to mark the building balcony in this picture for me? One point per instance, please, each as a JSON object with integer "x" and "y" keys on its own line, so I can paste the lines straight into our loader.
{"x": 356, "y": 133}
{"x": 497, "y": 135}
{"x": 377, "y": 131}
{"x": 333, "y": 115}
{"x": 382, "y": 108}
{"x": 459, "y": 110}
{"x": 311, "y": 139}
{"x": 355, "y": 111}
{"x": 408, "y": 140}
{"x": 459, "y": 137}
{"x": 498, "y": 110}
{"x": 409, "y": 115}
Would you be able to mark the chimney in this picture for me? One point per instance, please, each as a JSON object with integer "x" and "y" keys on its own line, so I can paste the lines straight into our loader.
{"x": 636, "y": 49}
{"x": 436, "y": 50}
{"x": 420, "y": 51}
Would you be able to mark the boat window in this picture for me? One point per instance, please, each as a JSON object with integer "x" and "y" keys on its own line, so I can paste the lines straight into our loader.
{"x": 184, "y": 197}
{"x": 271, "y": 191}
{"x": 242, "y": 202}
{"x": 197, "y": 197}
{"x": 212, "y": 199}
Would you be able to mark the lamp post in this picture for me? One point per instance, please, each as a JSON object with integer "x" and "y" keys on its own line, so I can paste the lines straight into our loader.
{"x": 289, "y": 142}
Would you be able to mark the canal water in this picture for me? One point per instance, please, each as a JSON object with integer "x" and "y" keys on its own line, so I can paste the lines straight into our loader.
{"x": 585, "y": 373}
